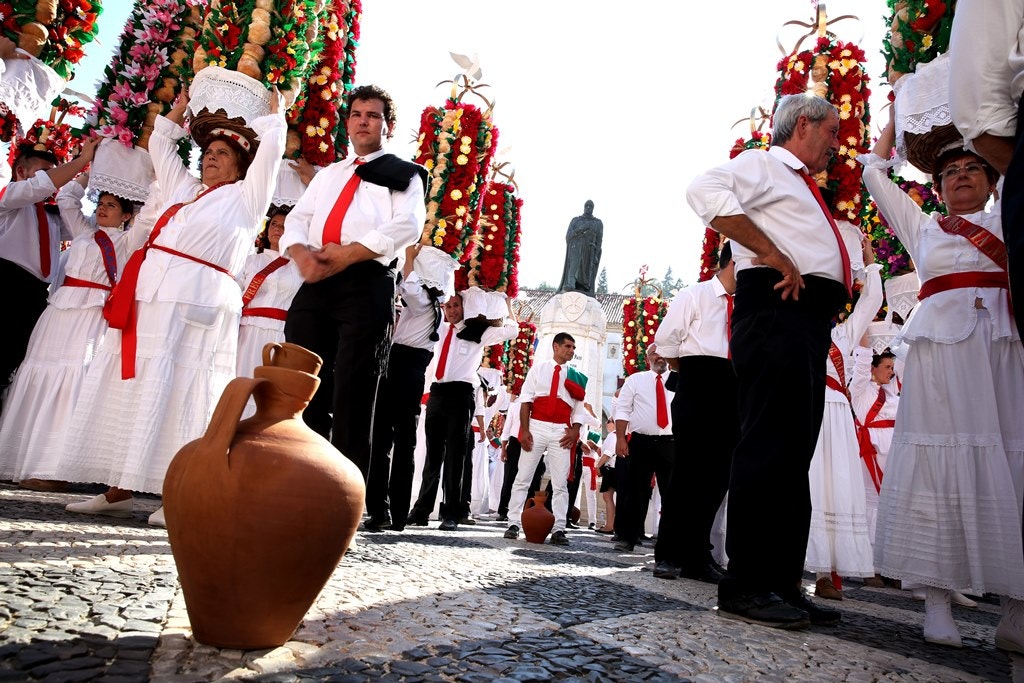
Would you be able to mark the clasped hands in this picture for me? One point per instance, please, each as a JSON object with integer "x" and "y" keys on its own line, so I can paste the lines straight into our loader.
{"x": 319, "y": 264}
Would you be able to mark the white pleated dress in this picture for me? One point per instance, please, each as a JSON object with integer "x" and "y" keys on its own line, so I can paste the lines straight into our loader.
{"x": 45, "y": 390}
{"x": 125, "y": 432}
{"x": 839, "y": 538}
{"x": 949, "y": 513}
{"x": 865, "y": 393}
{"x": 256, "y": 331}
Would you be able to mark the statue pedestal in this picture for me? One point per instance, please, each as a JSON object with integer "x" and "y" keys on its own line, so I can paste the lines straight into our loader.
{"x": 582, "y": 317}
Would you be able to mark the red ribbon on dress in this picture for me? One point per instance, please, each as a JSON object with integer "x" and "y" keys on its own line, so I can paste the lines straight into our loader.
{"x": 275, "y": 313}
{"x": 259, "y": 278}
{"x": 120, "y": 310}
{"x": 89, "y": 284}
{"x": 987, "y": 243}
{"x": 867, "y": 449}
{"x": 944, "y": 283}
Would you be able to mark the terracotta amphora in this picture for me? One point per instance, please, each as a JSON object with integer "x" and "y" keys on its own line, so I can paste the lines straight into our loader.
{"x": 537, "y": 519}
{"x": 260, "y": 512}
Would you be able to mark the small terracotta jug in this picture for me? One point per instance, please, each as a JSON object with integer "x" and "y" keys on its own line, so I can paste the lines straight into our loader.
{"x": 260, "y": 512}
{"x": 537, "y": 519}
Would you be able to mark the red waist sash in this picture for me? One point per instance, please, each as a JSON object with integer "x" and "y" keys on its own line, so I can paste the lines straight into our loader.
{"x": 89, "y": 284}
{"x": 548, "y": 409}
{"x": 944, "y": 283}
{"x": 881, "y": 424}
{"x": 275, "y": 313}
{"x": 589, "y": 461}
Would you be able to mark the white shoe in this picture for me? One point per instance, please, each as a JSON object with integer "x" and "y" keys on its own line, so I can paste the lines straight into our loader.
{"x": 939, "y": 627}
{"x": 98, "y": 505}
{"x": 919, "y": 593}
{"x": 157, "y": 518}
{"x": 1010, "y": 631}
{"x": 958, "y": 598}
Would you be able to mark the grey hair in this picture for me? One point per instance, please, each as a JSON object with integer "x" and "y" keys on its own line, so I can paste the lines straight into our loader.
{"x": 791, "y": 108}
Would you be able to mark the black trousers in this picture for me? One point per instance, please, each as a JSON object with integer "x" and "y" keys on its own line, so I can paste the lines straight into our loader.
{"x": 467, "y": 470}
{"x": 447, "y": 429}
{"x": 347, "y": 320}
{"x": 395, "y": 418}
{"x": 25, "y": 302}
{"x": 576, "y": 470}
{"x": 1012, "y": 198}
{"x": 648, "y": 455}
{"x": 779, "y": 349}
{"x": 706, "y": 427}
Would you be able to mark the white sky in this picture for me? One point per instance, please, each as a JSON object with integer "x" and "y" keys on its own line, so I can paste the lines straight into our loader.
{"x": 621, "y": 103}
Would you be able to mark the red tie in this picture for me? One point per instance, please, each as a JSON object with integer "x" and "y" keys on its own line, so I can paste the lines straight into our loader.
{"x": 843, "y": 254}
{"x": 554, "y": 381}
{"x": 728, "y": 324}
{"x": 332, "y": 226}
{"x": 44, "y": 240}
{"x": 659, "y": 390}
{"x": 443, "y": 362}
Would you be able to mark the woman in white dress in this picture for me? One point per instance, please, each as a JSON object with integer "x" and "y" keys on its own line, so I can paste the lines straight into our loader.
{"x": 269, "y": 282}
{"x": 153, "y": 385}
{"x": 45, "y": 388}
{"x": 949, "y": 512}
{"x": 875, "y": 400}
{"x": 838, "y": 542}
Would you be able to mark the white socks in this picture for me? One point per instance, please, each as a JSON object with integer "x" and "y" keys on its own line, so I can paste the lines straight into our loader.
{"x": 1010, "y": 631}
{"x": 939, "y": 627}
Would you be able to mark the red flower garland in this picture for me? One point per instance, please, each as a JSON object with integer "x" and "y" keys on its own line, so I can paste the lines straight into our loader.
{"x": 456, "y": 144}
{"x": 494, "y": 357}
{"x": 709, "y": 254}
{"x": 318, "y": 120}
{"x": 520, "y": 357}
{"x": 642, "y": 316}
{"x": 494, "y": 256}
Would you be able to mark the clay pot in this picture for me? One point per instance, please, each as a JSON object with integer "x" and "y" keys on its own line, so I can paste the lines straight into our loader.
{"x": 537, "y": 519}
{"x": 260, "y": 512}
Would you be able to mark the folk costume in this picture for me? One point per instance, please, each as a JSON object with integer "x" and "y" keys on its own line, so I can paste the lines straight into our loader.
{"x": 876, "y": 407}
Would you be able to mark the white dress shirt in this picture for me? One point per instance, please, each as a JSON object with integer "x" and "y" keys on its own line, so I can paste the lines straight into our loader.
{"x": 416, "y": 320}
{"x": 464, "y": 356}
{"x": 767, "y": 188}
{"x": 986, "y": 60}
{"x": 512, "y": 421}
{"x": 638, "y": 404}
{"x": 220, "y": 228}
{"x": 697, "y": 322}
{"x": 538, "y": 383}
{"x": 946, "y": 317}
{"x": 19, "y": 226}
{"x": 383, "y": 221}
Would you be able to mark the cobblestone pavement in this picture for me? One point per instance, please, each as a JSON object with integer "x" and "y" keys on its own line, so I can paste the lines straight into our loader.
{"x": 91, "y": 598}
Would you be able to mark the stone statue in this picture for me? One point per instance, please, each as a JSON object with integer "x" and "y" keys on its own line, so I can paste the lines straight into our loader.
{"x": 582, "y": 252}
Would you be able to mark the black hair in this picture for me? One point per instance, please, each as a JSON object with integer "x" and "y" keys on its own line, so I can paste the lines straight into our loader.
{"x": 375, "y": 92}
{"x": 127, "y": 205}
{"x": 725, "y": 254}
{"x": 562, "y": 337}
{"x": 877, "y": 358}
{"x": 949, "y": 155}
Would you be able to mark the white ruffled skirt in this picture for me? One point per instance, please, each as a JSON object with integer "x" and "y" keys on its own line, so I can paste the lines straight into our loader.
{"x": 949, "y": 513}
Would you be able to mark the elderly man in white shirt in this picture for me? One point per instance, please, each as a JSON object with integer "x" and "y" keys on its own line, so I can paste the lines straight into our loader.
{"x": 986, "y": 51}
{"x": 694, "y": 339}
{"x": 642, "y": 411}
{"x": 793, "y": 275}
{"x": 347, "y": 234}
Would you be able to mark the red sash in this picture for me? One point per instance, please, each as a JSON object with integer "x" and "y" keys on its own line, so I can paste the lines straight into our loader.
{"x": 987, "y": 243}
{"x": 589, "y": 461}
{"x": 551, "y": 409}
{"x": 44, "y": 239}
{"x": 275, "y": 313}
{"x": 257, "y": 280}
{"x": 836, "y": 356}
{"x": 89, "y": 284}
{"x": 943, "y": 283}
{"x": 108, "y": 253}
{"x": 121, "y": 309}
{"x": 867, "y": 449}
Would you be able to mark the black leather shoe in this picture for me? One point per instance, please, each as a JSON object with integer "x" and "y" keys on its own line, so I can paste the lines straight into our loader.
{"x": 417, "y": 521}
{"x": 501, "y": 518}
{"x": 708, "y": 573}
{"x": 559, "y": 538}
{"x": 820, "y": 616}
{"x": 376, "y": 524}
{"x": 766, "y": 609}
{"x": 666, "y": 570}
{"x": 449, "y": 525}
{"x": 570, "y": 525}
{"x": 512, "y": 533}
{"x": 624, "y": 546}
{"x": 467, "y": 520}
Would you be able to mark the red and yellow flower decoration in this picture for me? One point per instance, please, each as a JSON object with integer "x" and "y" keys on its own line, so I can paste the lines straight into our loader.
{"x": 641, "y": 317}
{"x": 493, "y": 262}
{"x": 55, "y": 31}
{"x": 456, "y": 144}
{"x": 316, "y": 129}
{"x": 520, "y": 357}
{"x": 918, "y": 32}
{"x": 834, "y": 71}
{"x": 709, "y": 254}
{"x": 494, "y": 357}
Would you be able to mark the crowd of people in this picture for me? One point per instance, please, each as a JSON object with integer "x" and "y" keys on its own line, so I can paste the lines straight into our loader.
{"x": 760, "y": 408}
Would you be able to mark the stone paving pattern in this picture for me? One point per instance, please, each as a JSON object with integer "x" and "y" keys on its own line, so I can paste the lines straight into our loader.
{"x": 96, "y": 599}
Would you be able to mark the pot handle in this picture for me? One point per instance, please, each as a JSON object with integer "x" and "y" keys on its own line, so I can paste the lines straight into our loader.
{"x": 268, "y": 352}
{"x": 228, "y": 412}
{"x": 530, "y": 502}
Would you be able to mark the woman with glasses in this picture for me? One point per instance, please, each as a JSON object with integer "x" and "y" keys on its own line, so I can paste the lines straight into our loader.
{"x": 949, "y": 511}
